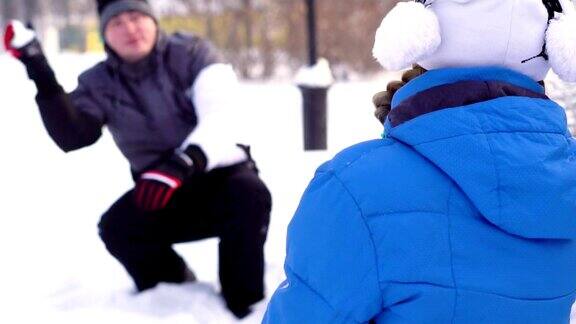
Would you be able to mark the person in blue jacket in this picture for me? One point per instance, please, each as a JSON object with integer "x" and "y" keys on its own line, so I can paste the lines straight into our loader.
{"x": 465, "y": 210}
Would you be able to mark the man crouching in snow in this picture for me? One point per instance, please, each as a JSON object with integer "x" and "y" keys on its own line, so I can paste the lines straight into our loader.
{"x": 161, "y": 98}
{"x": 465, "y": 212}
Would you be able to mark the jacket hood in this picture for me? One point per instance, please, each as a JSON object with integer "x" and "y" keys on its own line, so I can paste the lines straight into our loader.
{"x": 497, "y": 136}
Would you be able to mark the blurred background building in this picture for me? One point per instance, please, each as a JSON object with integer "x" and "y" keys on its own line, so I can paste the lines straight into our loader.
{"x": 262, "y": 38}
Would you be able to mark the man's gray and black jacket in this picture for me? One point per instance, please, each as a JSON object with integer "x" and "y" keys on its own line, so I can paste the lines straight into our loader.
{"x": 168, "y": 101}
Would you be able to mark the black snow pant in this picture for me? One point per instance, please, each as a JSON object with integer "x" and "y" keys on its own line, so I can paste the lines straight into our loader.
{"x": 230, "y": 203}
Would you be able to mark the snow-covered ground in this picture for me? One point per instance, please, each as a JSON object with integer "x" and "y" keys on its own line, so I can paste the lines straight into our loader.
{"x": 54, "y": 269}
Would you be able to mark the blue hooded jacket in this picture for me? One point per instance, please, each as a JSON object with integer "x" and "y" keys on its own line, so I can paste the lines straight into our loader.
{"x": 464, "y": 213}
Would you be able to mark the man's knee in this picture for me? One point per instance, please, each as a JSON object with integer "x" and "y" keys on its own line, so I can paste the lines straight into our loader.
{"x": 109, "y": 229}
{"x": 118, "y": 221}
{"x": 253, "y": 195}
{"x": 248, "y": 203}
{"x": 250, "y": 184}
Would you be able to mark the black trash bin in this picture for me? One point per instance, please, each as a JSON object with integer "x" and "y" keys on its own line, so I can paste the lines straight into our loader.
{"x": 314, "y": 115}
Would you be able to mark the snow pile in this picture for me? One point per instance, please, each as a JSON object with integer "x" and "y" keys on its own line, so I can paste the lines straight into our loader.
{"x": 564, "y": 93}
{"x": 316, "y": 76}
{"x": 55, "y": 268}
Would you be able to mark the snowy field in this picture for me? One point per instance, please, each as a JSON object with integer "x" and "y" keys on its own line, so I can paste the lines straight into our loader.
{"x": 55, "y": 269}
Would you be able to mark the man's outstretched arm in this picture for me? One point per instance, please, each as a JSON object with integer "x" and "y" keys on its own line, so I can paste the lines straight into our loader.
{"x": 67, "y": 126}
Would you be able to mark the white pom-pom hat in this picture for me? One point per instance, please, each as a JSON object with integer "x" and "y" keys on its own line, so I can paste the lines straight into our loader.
{"x": 528, "y": 36}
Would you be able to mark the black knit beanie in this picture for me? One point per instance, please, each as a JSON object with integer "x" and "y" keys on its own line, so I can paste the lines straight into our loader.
{"x": 110, "y": 8}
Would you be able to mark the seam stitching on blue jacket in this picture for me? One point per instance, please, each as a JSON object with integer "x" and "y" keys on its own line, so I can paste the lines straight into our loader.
{"x": 484, "y": 133}
{"x": 315, "y": 292}
{"x": 334, "y": 171}
{"x": 493, "y": 162}
{"x": 376, "y": 263}
{"x": 450, "y": 244}
{"x": 481, "y": 291}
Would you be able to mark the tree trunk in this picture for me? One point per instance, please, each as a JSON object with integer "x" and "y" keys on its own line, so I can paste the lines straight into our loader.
{"x": 249, "y": 39}
{"x": 210, "y": 33}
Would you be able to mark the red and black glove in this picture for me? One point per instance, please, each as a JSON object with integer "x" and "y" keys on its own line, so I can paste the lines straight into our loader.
{"x": 21, "y": 42}
{"x": 155, "y": 187}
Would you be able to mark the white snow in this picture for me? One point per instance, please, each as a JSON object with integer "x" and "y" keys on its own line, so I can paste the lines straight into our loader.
{"x": 54, "y": 269}
{"x": 22, "y": 35}
{"x": 564, "y": 93}
{"x": 317, "y": 76}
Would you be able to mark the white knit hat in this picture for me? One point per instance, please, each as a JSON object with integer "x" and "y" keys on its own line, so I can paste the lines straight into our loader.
{"x": 522, "y": 35}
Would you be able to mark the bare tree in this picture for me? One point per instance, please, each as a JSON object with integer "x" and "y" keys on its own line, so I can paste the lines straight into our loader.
{"x": 344, "y": 31}
{"x": 257, "y": 36}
